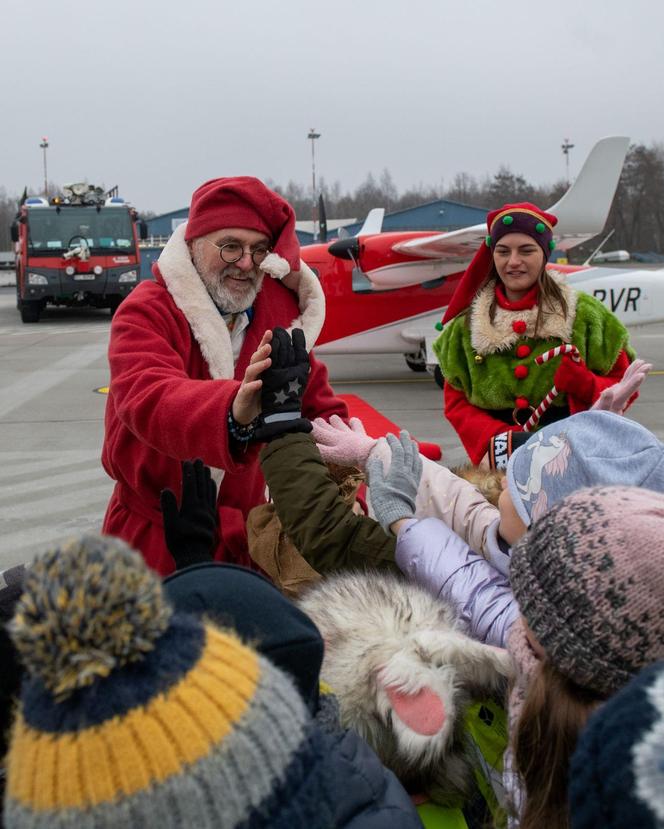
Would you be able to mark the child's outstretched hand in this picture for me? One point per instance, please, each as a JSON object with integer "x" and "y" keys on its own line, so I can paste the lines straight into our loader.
{"x": 346, "y": 445}
{"x": 616, "y": 397}
{"x": 190, "y": 529}
{"x": 393, "y": 494}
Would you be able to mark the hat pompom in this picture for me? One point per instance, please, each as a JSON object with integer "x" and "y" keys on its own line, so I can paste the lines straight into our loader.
{"x": 87, "y": 608}
{"x": 275, "y": 265}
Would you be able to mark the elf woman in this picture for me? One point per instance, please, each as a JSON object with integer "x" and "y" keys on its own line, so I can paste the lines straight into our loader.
{"x": 506, "y": 311}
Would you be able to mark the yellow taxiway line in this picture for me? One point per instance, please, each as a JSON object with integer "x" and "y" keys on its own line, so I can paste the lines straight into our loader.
{"x": 375, "y": 382}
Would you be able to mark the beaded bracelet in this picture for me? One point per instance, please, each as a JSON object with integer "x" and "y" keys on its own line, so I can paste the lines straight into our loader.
{"x": 237, "y": 431}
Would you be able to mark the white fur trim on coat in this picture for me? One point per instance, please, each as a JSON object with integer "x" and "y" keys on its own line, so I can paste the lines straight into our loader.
{"x": 489, "y": 337}
{"x": 311, "y": 301}
{"x": 192, "y": 298}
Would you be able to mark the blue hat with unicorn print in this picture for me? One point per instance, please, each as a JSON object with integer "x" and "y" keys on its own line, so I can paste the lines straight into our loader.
{"x": 593, "y": 448}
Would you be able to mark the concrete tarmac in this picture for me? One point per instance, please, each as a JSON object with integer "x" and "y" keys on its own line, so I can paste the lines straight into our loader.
{"x": 52, "y": 484}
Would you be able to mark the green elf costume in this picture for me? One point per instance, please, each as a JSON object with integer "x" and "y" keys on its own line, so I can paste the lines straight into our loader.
{"x": 492, "y": 382}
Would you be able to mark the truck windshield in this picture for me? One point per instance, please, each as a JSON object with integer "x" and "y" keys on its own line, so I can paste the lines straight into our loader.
{"x": 108, "y": 230}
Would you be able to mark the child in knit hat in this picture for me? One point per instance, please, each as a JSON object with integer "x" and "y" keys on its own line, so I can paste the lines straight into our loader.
{"x": 617, "y": 771}
{"x": 582, "y": 610}
{"x": 583, "y": 614}
{"x": 134, "y": 715}
{"x": 592, "y": 616}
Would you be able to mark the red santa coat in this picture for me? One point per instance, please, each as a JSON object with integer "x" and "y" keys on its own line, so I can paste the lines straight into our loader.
{"x": 172, "y": 384}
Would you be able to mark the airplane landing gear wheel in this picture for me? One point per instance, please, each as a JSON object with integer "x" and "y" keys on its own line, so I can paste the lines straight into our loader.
{"x": 416, "y": 362}
{"x": 30, "y": 311}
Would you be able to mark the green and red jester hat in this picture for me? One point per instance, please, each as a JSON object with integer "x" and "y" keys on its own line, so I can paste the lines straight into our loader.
{"x": 522, "y": 217}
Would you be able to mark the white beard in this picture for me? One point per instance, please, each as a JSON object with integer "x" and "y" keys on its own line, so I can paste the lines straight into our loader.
{"x": 225, "y": 298}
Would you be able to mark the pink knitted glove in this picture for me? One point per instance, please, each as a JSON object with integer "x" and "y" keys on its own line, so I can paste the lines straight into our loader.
{"x": 616, "y": 397}
{"x": 346, "y": 445}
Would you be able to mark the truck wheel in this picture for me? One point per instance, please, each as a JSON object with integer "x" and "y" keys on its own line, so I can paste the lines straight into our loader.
{"x": 30, "y": 311}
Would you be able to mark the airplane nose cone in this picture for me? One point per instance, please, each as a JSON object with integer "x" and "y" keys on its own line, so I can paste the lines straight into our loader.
{"x": 348, "y": 248}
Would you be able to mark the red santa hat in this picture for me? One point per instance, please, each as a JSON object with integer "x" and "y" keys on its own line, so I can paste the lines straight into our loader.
{"x": 522, "y": 217}
{"x": 245, "y": 202}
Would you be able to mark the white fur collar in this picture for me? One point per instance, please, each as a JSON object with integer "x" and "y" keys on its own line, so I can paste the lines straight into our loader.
{"x": 488, "y": 338}
{"x": 191, "y": 297}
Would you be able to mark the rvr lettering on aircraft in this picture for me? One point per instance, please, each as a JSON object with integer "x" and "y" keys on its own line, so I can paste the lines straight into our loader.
{"x": 631, "y": 298}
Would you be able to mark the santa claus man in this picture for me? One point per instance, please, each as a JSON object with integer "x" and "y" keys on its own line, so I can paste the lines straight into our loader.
{"x": 185, "y": 355}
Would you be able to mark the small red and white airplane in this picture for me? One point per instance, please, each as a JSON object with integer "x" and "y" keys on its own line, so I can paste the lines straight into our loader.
{"x": 386, "y": 292}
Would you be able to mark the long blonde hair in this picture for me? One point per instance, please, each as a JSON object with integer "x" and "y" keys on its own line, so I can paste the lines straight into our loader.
{"x": 554, "y": 713}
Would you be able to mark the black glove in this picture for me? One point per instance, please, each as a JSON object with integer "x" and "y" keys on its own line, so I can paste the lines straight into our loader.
{"x": 190, "y": 530}
{"x": 284, "y": 383}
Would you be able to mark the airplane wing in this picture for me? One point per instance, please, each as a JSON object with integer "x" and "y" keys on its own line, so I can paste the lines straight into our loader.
{"x": 581, "y": 212}
{"x": 455, "y": 246}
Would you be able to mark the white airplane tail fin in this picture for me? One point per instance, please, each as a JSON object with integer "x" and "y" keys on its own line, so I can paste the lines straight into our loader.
{"x": 373, "y": 223}
{"x": 583, "y": 210}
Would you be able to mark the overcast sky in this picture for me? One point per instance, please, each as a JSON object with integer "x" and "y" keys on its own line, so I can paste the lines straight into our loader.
{"x": 157, "y": 97}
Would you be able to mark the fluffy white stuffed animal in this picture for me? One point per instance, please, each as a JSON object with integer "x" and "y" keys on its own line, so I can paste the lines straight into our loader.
{"x": 403, "y": 672}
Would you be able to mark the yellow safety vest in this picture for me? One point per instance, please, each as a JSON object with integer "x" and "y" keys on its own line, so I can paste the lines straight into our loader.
{"x": 486, "y": 728}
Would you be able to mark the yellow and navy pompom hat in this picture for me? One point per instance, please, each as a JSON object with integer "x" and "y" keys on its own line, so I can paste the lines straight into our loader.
{"x": 132, "y": 715}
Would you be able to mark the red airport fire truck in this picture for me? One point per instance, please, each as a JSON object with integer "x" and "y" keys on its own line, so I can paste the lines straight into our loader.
{"x": 80, "y": 248}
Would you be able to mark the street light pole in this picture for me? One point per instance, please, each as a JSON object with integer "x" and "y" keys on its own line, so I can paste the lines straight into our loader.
{"x": 566, "y": 147}
{"x": 44, "y": 146}
{"x": 312, "y": 136}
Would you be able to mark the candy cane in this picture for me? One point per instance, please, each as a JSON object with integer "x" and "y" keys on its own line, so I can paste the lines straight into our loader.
{"x": 566, "y": 348}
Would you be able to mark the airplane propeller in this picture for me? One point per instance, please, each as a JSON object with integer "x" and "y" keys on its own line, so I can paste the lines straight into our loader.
{"x": 348, "y": 247}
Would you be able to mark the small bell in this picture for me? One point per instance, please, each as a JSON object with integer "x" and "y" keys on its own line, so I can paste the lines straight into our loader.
{"x": 479, "y": 359}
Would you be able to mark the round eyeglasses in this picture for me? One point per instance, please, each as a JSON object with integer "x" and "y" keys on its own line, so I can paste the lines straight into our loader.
{"x": 232, "y": 252}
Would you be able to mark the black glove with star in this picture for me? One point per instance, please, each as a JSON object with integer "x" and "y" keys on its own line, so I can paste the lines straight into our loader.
{"x": 284, "y": 383}
{"x": 190, "y": 529}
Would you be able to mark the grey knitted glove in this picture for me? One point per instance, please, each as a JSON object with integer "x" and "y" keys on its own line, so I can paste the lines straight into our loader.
{"x": 393, "y": 495}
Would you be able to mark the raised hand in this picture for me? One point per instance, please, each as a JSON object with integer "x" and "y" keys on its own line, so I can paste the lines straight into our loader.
{"x": 616, "y": 397}
{"x": 190, "y": 529}
{"x": 393, "y": 494}
{"x": 341, "y": 443}
{"x": 283, "y": 385}
{"x": 247, "y": 403}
